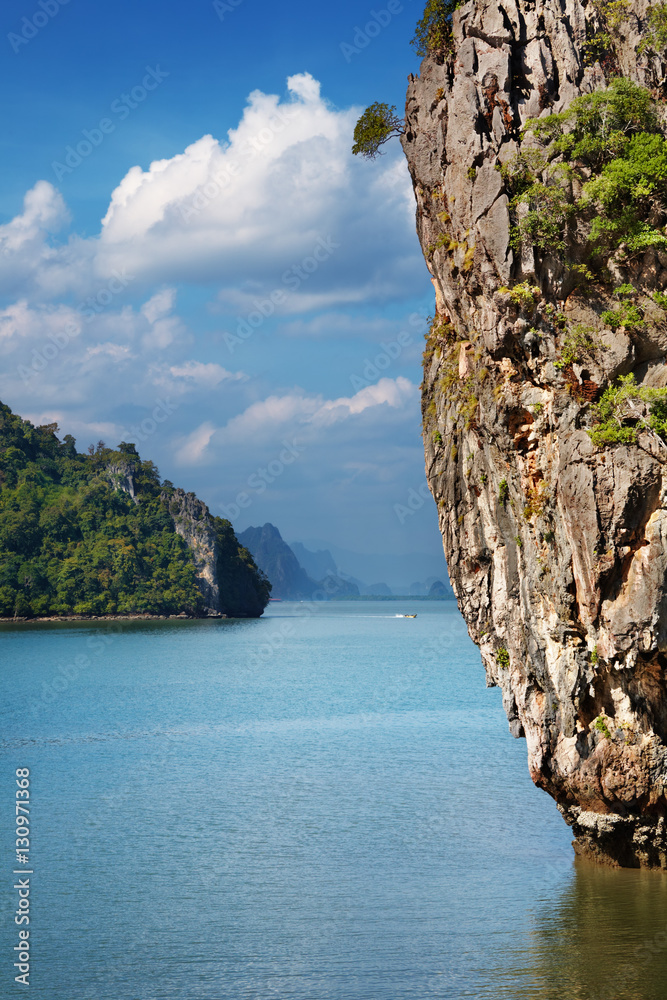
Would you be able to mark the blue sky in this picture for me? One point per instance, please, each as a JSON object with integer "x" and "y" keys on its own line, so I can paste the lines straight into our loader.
{"x": 191, "y": 258}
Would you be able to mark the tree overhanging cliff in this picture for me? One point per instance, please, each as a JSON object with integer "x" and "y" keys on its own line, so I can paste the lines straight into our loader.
{"x": 100, "y": 534}
{"x": 535, "y": 137}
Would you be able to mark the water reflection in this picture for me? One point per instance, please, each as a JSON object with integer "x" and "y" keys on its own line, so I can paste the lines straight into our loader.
{"x": 604, "y": 938}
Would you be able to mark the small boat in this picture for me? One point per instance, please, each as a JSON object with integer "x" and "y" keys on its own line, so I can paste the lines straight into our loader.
{"x": 409, "y": 616}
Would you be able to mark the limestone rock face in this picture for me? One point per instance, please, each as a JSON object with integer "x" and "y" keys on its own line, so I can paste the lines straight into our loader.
{"x": 193, "y": 523}
{"x": 121, "y": 477}
{"x": 230, "y": 582}
{"x": 557, "y": 549}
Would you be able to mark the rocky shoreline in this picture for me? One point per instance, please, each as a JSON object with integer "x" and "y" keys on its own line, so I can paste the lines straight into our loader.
{"x": 111, "y": 618}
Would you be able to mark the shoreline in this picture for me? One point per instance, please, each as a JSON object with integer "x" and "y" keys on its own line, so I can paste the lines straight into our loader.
{"x": 134, "y": 616}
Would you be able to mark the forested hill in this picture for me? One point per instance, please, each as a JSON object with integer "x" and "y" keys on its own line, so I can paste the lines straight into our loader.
{"x": 100, "y": 534}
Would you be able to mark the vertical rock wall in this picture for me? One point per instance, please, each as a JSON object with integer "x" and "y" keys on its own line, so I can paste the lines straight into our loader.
{"x": 193, "y": 523}
{"x": 556, "y": 549}
{"x": 230, "y": 582}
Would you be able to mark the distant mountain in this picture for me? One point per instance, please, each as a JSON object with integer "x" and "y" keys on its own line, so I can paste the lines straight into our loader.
{"x": 336, "y": 586}
{"x": 356, "y": 567}
{"x": 317, "y": 564}
{"x": 321, "y": 566}
{"x": 290, "y": 580}
{"x": 430, "y": 587}
{"x": 378, "y": 590}
{"x": 396, "y": 570}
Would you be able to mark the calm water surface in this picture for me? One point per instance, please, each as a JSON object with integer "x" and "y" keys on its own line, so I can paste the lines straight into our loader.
{"x": 324, "y": 804}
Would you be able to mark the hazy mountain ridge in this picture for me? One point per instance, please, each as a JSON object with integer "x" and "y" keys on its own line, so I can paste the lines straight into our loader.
{"x": 397, "y": 574}
{"x": 289, "y": 580}
{"x": 297, "y": 572}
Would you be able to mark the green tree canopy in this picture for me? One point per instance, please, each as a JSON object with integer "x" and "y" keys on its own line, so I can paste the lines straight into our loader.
{"x": 597, "y": 127}
{"x": 376, "y": 126}
{"x": 434, "y": 30}
{"x": 611, "y": 142}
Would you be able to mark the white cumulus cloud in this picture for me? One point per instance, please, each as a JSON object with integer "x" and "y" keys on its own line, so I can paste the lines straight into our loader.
{"x": 266, "y": 420}
{"x": 243, "y": 214}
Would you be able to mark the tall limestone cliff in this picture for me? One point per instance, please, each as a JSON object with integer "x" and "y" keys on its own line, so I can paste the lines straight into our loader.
{"x": 289, "y": 580}
{"x": 226, "y": 574}
{"x": 556, "y": 541}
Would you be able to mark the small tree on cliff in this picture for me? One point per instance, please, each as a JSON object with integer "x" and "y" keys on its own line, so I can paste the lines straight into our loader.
{"x": 376, "y": 126}
{"x": 434, "y": 31}
{"x": 380, "y": 122}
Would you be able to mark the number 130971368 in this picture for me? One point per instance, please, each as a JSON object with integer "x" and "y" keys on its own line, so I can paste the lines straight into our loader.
{"x": 22, "y": 815}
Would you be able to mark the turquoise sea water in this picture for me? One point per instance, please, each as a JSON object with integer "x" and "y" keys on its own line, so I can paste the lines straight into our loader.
{"x": 322, "y": 804}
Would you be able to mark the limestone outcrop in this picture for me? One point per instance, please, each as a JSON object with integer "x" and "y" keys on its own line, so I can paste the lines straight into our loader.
{"x": 194, "y": 524}
{"x": 121, "y": 477}
{"x": 226, "y": 574}
{"x": 556, "y": 546}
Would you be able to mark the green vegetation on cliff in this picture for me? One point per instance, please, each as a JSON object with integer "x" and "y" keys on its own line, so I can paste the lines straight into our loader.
{"x": 376, "y": 126}
{"x": 610, "y": 144}
{"x": 434, "y": 29}
{"x": 73, "y": 541}
{"x": 627, "y": 408}
{"x": 379, "y": 122}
